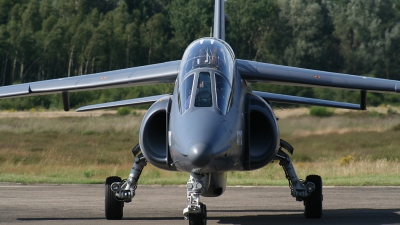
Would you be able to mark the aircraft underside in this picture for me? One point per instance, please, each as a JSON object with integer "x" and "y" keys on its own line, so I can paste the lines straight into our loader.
{"x": 118, "y": 192}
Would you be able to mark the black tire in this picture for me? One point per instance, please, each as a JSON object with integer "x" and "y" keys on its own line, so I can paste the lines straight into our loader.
{"x": 313, "y": 203}
{"x": 113, "y": 207}
{"x": 199, "y": 218}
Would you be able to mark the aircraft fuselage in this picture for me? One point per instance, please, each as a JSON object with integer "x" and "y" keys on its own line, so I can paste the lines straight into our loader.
{"x": 203, "y": 137}
{"x": 207, "y": 121}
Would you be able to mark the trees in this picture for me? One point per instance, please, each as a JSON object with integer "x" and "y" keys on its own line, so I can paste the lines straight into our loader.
{"x": 46, "y": 39}
{"x": 367, "y": 31}
{"x": 4, "y": 52}
{"x": 255, "y": 34}
{"x": 310, "y": 28}
{"x": 154, "y": 38}
{"x": 189, "y": 20}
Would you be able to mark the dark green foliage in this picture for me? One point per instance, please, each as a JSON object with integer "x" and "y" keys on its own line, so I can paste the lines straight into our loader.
{"x": 48, "y": 39}
{"x": 123, "y": 111}
{"x": 320, "y": 111}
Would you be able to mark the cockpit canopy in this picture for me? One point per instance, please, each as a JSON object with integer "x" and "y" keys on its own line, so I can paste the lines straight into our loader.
{"x": 206, "y": 75}
{"x": 208, "y": 53}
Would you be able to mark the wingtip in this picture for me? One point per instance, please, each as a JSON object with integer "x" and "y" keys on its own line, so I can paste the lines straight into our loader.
{"x": 397, "y": 87}
{"x": 82, "y": 109}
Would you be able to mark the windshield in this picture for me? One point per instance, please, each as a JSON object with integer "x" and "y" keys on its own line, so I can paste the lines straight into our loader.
{"x": 224, "y": 91}
{"x": 203, "y": 92}
{"x": 208, "y": 53}
{"x": 185, "y": 93}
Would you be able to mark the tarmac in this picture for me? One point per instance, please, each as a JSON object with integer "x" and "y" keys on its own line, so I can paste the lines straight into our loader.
{"x": 84, "y": 204}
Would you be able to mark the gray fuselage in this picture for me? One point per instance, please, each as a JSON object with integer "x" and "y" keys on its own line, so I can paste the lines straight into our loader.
{"x": 206, "y": 134}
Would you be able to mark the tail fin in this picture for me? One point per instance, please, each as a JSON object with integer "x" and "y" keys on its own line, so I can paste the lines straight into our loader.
{"x": 219, "y": 19}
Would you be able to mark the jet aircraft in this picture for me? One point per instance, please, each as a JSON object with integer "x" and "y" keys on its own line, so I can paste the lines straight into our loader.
{"x": 213, "y": 122}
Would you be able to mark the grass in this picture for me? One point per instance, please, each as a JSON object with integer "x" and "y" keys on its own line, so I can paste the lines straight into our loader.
{"x": 320, "y": 111}
{"x": 345, "y": 149}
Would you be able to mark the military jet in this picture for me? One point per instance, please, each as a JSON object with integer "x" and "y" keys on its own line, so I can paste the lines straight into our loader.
{"x": 213, "y": 122}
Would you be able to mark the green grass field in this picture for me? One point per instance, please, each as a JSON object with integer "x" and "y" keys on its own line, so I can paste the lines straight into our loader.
{"x": 356, "y": 148}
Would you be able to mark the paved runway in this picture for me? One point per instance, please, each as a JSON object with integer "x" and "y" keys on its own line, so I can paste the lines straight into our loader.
{"x": 84, "y": 204}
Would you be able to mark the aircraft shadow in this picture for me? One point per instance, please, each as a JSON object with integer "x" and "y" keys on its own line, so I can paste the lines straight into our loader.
{"x": 363, "y": 216}
{"x": 59, "y": 219}
{"x": 100, "y": 218}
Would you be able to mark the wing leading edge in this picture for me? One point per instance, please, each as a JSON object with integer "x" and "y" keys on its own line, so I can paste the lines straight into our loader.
{"x": 263, "y": 72}
{"x": 143, "y": 75}
{"x": 271, "y": 97}
{"x": 130, "y": 102}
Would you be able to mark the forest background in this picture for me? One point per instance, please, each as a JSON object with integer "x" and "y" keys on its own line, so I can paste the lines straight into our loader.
{"x": 49, "y": 39}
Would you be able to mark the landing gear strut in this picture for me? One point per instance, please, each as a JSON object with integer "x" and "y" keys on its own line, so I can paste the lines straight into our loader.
{"x": 196, "y": 212}
{"x": 118, "y": 192}
{"x": 308, "y": 191}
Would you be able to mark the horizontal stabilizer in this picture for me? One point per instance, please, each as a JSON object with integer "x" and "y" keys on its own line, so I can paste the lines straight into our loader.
{"x": 130, "y": 102}
{"x": 306, "y": 101}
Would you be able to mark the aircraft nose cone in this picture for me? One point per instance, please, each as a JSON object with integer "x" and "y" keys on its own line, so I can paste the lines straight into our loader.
{"x": 200, "y": 155}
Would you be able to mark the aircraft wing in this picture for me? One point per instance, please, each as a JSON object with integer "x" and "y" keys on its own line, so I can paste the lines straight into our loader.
{"x": 263, "y": 72}
{"x": 130, "y": 102}
{"x": 271, "y": 97}
{"x": 143, "y": 75}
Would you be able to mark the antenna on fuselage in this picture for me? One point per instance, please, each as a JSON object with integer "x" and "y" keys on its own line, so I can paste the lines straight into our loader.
{"x": 219, "y": 19}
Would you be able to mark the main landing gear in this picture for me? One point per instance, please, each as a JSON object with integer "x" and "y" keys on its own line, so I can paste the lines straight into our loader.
{"x": 117, "y": 192}
{"x": 308, "y": 191}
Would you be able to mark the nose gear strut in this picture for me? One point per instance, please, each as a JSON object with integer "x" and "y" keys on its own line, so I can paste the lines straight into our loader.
{"x": 196, "y": 211}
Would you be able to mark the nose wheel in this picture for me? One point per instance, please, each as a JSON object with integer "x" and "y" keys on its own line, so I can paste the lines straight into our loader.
{"x": 198, "y": 218}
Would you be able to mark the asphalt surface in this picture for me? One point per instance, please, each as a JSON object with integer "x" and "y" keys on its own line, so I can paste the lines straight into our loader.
{"x": 84, "y": 204}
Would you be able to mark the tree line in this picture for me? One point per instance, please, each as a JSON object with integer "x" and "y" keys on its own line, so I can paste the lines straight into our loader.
{"x": 48, "y": 39}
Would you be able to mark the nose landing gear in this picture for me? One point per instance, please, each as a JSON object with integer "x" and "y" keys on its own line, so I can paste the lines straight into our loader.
{"x": 196, "y": 211}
